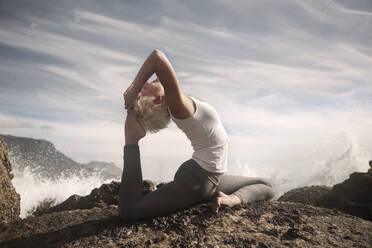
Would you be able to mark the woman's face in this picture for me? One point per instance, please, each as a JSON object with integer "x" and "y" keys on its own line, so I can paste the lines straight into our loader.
{"x": 152, "y": 89}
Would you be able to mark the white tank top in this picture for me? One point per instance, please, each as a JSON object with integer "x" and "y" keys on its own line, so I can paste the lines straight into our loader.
{"x": 207, "y": 135}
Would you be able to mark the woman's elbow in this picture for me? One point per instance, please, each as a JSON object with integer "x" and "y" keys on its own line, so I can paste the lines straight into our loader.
{"x": 157, "y": 53}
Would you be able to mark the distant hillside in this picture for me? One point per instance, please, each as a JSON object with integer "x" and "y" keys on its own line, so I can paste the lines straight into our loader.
{"x": 44, "y": 160}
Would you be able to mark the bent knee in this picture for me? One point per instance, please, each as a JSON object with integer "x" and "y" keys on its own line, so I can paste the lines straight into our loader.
{"x": 124, "y": 216}
{"x": 270, "y": 193}
{"x": 270, "y": 190}
{"x": 267, "y": 182}
{"x": 127, "y": 214}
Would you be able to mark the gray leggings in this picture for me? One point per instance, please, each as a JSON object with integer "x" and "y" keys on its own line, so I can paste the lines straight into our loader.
{"x": 191, "y": 185}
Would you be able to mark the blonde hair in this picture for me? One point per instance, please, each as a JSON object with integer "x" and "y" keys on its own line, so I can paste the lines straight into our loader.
{"x": 153, "y": 117}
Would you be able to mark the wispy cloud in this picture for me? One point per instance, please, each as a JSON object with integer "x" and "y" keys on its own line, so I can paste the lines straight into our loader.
{"x": 9, "y": 122}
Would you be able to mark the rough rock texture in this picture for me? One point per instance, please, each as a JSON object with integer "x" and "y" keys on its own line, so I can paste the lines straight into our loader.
{"x": 312, "y": 195}
{"x": 353, "y": 196}
{"x": 106, "y": 195}
{"x": 261, "y": 224}
{"x": 9, "y": 199}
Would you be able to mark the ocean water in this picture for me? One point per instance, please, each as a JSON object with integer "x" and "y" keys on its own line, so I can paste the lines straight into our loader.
{"x": 34, "y": 189}
{"x": 318, "y": 162}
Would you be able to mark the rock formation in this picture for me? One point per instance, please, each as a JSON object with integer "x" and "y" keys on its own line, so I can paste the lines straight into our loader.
{"x": 9, "y": 199}
{"x": 353, "y": 196}
{"x": 260, "y": 224}
{"x": 312, "y": 195}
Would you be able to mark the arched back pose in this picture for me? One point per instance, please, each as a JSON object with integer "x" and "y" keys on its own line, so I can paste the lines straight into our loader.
{"x": 199, "y": 179}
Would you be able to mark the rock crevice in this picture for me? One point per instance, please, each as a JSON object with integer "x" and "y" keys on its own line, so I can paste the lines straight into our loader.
{"x": 9, "y": 198}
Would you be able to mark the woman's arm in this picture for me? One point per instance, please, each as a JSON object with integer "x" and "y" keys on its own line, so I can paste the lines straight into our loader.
{"x": 180, "y": 105}
{"x": 133, "y": 130}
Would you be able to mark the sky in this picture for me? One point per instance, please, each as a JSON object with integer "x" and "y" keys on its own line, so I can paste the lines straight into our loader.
{"x": 291, "y": 79}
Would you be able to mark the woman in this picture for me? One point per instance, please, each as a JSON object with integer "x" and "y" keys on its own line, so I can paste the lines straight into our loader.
{"x": 198, "y": 179}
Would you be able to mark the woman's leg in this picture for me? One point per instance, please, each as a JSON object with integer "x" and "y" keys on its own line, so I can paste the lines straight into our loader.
{"x": 234, "y": 190}
{"x": 190, "y": 186}
{"x": 248, "y": 189}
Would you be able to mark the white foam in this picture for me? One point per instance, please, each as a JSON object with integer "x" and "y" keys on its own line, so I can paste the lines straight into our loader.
{"x": 326, "y": 161}
{"x": 32, "y": 189}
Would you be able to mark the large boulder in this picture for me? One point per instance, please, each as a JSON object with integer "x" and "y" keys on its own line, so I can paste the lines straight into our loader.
{"x": 353, "y": 196}
{"x": 9, "y": 199}
{"x": 312, "y": 195}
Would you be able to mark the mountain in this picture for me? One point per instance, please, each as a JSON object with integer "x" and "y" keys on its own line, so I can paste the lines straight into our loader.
{"x": 45, "y": 161}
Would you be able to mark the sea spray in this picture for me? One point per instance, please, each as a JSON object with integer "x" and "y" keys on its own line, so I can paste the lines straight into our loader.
{"x": 325, "y": 161}
{"x": 34, "y": 189}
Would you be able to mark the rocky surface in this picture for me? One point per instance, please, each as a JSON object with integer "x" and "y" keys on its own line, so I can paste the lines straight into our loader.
{"x": 106, "y": 195}
{"x": 353, "y": 196}
{"x": 261, "y": 224}
{"x": 312, "y": 195}
{"x": 45, "y": 161}
{"x": 9, "y": 198}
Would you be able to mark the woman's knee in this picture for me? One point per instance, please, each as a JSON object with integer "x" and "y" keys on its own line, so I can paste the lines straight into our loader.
{"x": 266, "y": 181}
{"x": 269, "y": 189}
{"x": 126, "y": 214}
{"x": 270, "y": 192}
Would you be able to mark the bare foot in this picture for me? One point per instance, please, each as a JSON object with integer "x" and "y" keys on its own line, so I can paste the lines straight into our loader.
{"x": 223, "y": 199}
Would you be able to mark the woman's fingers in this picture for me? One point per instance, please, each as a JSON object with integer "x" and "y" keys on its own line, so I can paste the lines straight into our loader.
{"x": 130, "y": 96}
{"x": 128, "y": 102}
{"x": 125, "y": 101}
{"x": 129, "y": 88}
{"x": 128, "y": 106}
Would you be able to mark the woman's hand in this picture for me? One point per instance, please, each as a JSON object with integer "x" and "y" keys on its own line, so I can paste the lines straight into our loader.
{"x": 130, "y": 95}
{"x": 133, "y": 129}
